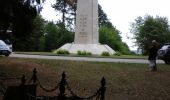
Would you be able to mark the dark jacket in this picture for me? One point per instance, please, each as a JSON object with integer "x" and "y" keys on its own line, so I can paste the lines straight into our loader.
{"x": 153, "y": 53}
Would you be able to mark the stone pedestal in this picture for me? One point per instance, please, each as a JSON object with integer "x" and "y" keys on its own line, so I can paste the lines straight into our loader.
{"x": 86, "y": 33}
{"x": 96, "y": 49}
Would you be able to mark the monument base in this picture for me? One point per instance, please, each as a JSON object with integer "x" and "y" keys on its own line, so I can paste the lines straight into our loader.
{"x": 92, "y": 48}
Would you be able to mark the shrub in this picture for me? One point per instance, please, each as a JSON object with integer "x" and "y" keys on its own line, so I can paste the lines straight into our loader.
{"x": 117, "y": 53}
{"x": 89, "y": 53}
{"x": 83, "y": 53}
{"x": 62, "y": 52}
{"x": 105, "y": 53}
{"x": 78, "y": 52}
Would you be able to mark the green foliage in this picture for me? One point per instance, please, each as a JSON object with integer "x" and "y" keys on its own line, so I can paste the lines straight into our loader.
{"x": 84, "y": 53}
{"x": 149, "y": 28}
{"x": 78, "y": 52}
{"x": 34, "y": 41}
{"x": 111, "y": 37}
{"x": 61, "y": 52}
{"x": 103, "y": 20}
{"x": 88, "y": 53}
{"x": 105, "y": 53}
{"x": 68, "y": 12}
{"x": 19, "y": 15}
{"x": 56, "y": 36}
{"x": 118, "y": 53}
{"x": 36, "y": 38}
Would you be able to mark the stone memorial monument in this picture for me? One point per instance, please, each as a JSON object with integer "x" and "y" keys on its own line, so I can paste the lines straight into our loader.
{"x": 86, "y": 33}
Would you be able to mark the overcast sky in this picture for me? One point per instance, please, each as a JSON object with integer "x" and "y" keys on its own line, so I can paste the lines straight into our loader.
{"x": 122, "y": 13}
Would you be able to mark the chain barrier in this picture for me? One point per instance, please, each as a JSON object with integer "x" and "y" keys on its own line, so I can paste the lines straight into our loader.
{"x": 3, "y": 88}
{"x": 84, "y": 98}
{"x": 34, "y": 79}
{"x": 62, "y": 85}
{"x": 48, "y": 90}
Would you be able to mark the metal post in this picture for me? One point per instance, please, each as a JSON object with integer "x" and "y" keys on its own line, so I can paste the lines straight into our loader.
{"x": 23, "y": 80}
{"x": 62, "y": 87}
{"x": 103, "y": 88}
{"x": 22, "y": 90}
{"x": 34, "y": 76}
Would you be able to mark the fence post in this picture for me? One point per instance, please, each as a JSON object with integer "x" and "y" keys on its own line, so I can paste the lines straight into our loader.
{"x": 23, "y": 80}
{"x": 22, "y": 90}
{"x": 34, "y": 76}
{"x": 103, "y": 88}
{"x": 62, "y": 87}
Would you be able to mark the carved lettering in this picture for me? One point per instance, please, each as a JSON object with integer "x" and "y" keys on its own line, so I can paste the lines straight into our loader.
{"x": 83, "y": 25}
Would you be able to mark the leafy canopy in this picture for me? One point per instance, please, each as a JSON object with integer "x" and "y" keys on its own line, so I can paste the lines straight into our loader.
{"x": 150, "y": 28}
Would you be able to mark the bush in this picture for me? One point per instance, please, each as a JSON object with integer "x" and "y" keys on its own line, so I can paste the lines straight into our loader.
{"x": 89, "y": 53}
{"x": 105, "y": 53}
{"x": 62, "y": 52}
{"x": 83, "y": 53}
{"x": 117, "y": 53}
{"x": 79, "y": 52}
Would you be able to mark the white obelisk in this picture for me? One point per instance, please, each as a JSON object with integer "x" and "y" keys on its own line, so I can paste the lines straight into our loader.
{"x": 87, "y": 22}
{"x": 86, "y": 34}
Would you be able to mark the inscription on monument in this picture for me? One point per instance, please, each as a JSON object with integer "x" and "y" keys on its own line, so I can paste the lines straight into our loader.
{"x": 83, "y": 25}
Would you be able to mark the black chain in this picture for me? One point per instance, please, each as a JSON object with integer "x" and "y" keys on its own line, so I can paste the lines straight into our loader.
{"x": 61, "y": 85}
{"x": 97, "y": 94}
{"x": 48, "y": 90}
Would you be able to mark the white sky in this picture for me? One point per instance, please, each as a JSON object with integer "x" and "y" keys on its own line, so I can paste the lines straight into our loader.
{"x": 121, "y": 13}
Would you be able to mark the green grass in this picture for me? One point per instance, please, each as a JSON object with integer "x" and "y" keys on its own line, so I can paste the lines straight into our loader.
{"x": 124, "y": 81}
{"x": 75, "y": 55}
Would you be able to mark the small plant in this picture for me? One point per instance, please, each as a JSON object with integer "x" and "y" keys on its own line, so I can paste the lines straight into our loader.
{"x": 83, "y": 53}
{"x": 89, "y": 53}
{"x": 62, "y": 52}
{"x": 54, "y": 51}
{"x": 78, "y": 52}
{"x": 105, "y": 53}
{"x": 117, "y": 53}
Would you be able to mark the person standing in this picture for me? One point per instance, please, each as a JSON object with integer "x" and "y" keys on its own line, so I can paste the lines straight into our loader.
{"x": 152, "y": 56}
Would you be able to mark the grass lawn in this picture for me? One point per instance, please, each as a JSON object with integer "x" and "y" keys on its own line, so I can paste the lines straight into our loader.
{"x": 124, "y": 81}
{"x": 75, "y": 55}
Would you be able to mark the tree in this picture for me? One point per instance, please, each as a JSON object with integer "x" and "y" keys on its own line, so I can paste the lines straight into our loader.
{"x": 149, "y": 28}
{"x": 55, "y": 36}
{"x": 18, "y": 14}
{"x": 68, "y": 11}
{"x": 103, "y": 20}
{"x": 10, "y": 10}
{"x": 36, "y": 38}
{"x": 111, "y": 37}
